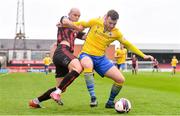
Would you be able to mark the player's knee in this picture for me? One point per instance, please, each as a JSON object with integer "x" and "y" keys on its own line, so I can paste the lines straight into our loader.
{"x": 87, "y": 62}
{"x": 78, "y": 68}
{"x": 75, "y": 65}
{"x": 120, "y": 81}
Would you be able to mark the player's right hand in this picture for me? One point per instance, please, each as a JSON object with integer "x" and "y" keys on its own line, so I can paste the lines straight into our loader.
{"x": 59, "y": 25}
{"x": 146, "y": 57}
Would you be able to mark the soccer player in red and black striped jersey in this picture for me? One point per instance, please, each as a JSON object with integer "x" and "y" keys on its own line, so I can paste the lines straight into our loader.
{"x": 67, "y": 65}
{"x": 134, "y": 64}
{"x": 155, "y": 65}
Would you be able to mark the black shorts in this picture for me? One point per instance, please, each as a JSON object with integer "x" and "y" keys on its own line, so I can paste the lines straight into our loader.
{"x": 61, "y": 59}
{"x": 155, "y": 66}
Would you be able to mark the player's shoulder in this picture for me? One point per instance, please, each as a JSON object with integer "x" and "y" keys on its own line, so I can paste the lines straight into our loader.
{"x": 116, "y": 32}
{"x": 97, "y": 20}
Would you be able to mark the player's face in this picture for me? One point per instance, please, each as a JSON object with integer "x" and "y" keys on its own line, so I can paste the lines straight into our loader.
{"x": 109, "y": 23}
{"x": 74, "y": 16}
{"x": 122, "y": 46}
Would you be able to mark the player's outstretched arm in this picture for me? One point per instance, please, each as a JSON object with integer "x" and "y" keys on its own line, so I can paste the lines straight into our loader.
{"x": 65, "y": 22}
{"x": 68, "y": 23}
{"x": 134, "y": 49}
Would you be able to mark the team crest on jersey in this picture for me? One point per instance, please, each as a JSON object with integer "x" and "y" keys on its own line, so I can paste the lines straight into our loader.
{"x": 110, "y": 34}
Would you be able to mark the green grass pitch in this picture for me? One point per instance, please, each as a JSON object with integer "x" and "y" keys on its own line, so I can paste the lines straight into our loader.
{"x": 149, "y": 93}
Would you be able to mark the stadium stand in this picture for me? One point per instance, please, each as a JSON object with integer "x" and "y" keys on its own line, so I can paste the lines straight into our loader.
{"x": 36, "y": 49}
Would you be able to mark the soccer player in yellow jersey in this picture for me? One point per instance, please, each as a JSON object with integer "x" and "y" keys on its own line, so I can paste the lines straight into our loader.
{"x": 120, "y": 56}
{"x": 47, "y": 61}
{"x": 103, "y": 32}
{"x": 174, "y": 62}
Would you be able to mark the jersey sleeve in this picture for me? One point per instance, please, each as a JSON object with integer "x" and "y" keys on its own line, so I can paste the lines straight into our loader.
{"x": 85, "y": 24}
{"x": 129, "y": 45}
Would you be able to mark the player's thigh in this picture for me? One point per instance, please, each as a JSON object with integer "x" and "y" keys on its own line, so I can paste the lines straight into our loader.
{"x": 75, "y": 65}
{"x": 115, "y": 75}
{"x": 87, "y": 62}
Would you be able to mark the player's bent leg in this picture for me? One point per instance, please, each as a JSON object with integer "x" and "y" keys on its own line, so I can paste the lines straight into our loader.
{"x": 75, "y": 69}
{"x": 115, "y": 75}
{"x": 68, "y": 79}
{"x": 119, "y": 79}
{"x": 75, "y": 65}
{"x": 116, "y": 87}
{"x": 89, "y": 79}
{"x": 45, "y": 96}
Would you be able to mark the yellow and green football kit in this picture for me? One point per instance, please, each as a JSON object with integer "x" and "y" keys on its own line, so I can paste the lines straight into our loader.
{"x": 174, "y": 62}
{"x": 121, "y": 53}
{"x": 47, "y": 61}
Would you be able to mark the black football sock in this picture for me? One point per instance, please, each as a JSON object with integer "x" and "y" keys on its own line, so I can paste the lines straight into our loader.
{"x": 46, "y": 95}
{"x": 68, "y": 79}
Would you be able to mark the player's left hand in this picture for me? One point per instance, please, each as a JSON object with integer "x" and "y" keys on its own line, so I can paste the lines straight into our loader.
{"x": 80, "y": 28}
{"x": 59, "y": 25}
{"x": 146, "y": 57}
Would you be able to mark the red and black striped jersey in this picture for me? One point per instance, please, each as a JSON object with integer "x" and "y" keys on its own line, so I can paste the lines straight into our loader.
{"x": 134, "y": 60}
{"x": 69, "y": 35}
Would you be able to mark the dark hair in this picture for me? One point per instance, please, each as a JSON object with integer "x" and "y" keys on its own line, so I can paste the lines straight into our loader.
{"x": 113, "y": 14}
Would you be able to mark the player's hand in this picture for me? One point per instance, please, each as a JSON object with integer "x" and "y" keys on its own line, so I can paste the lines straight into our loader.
{"x": 146, "y": 57}
{"x": 59, "y": 25}
{"x": 80, "y": 28}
